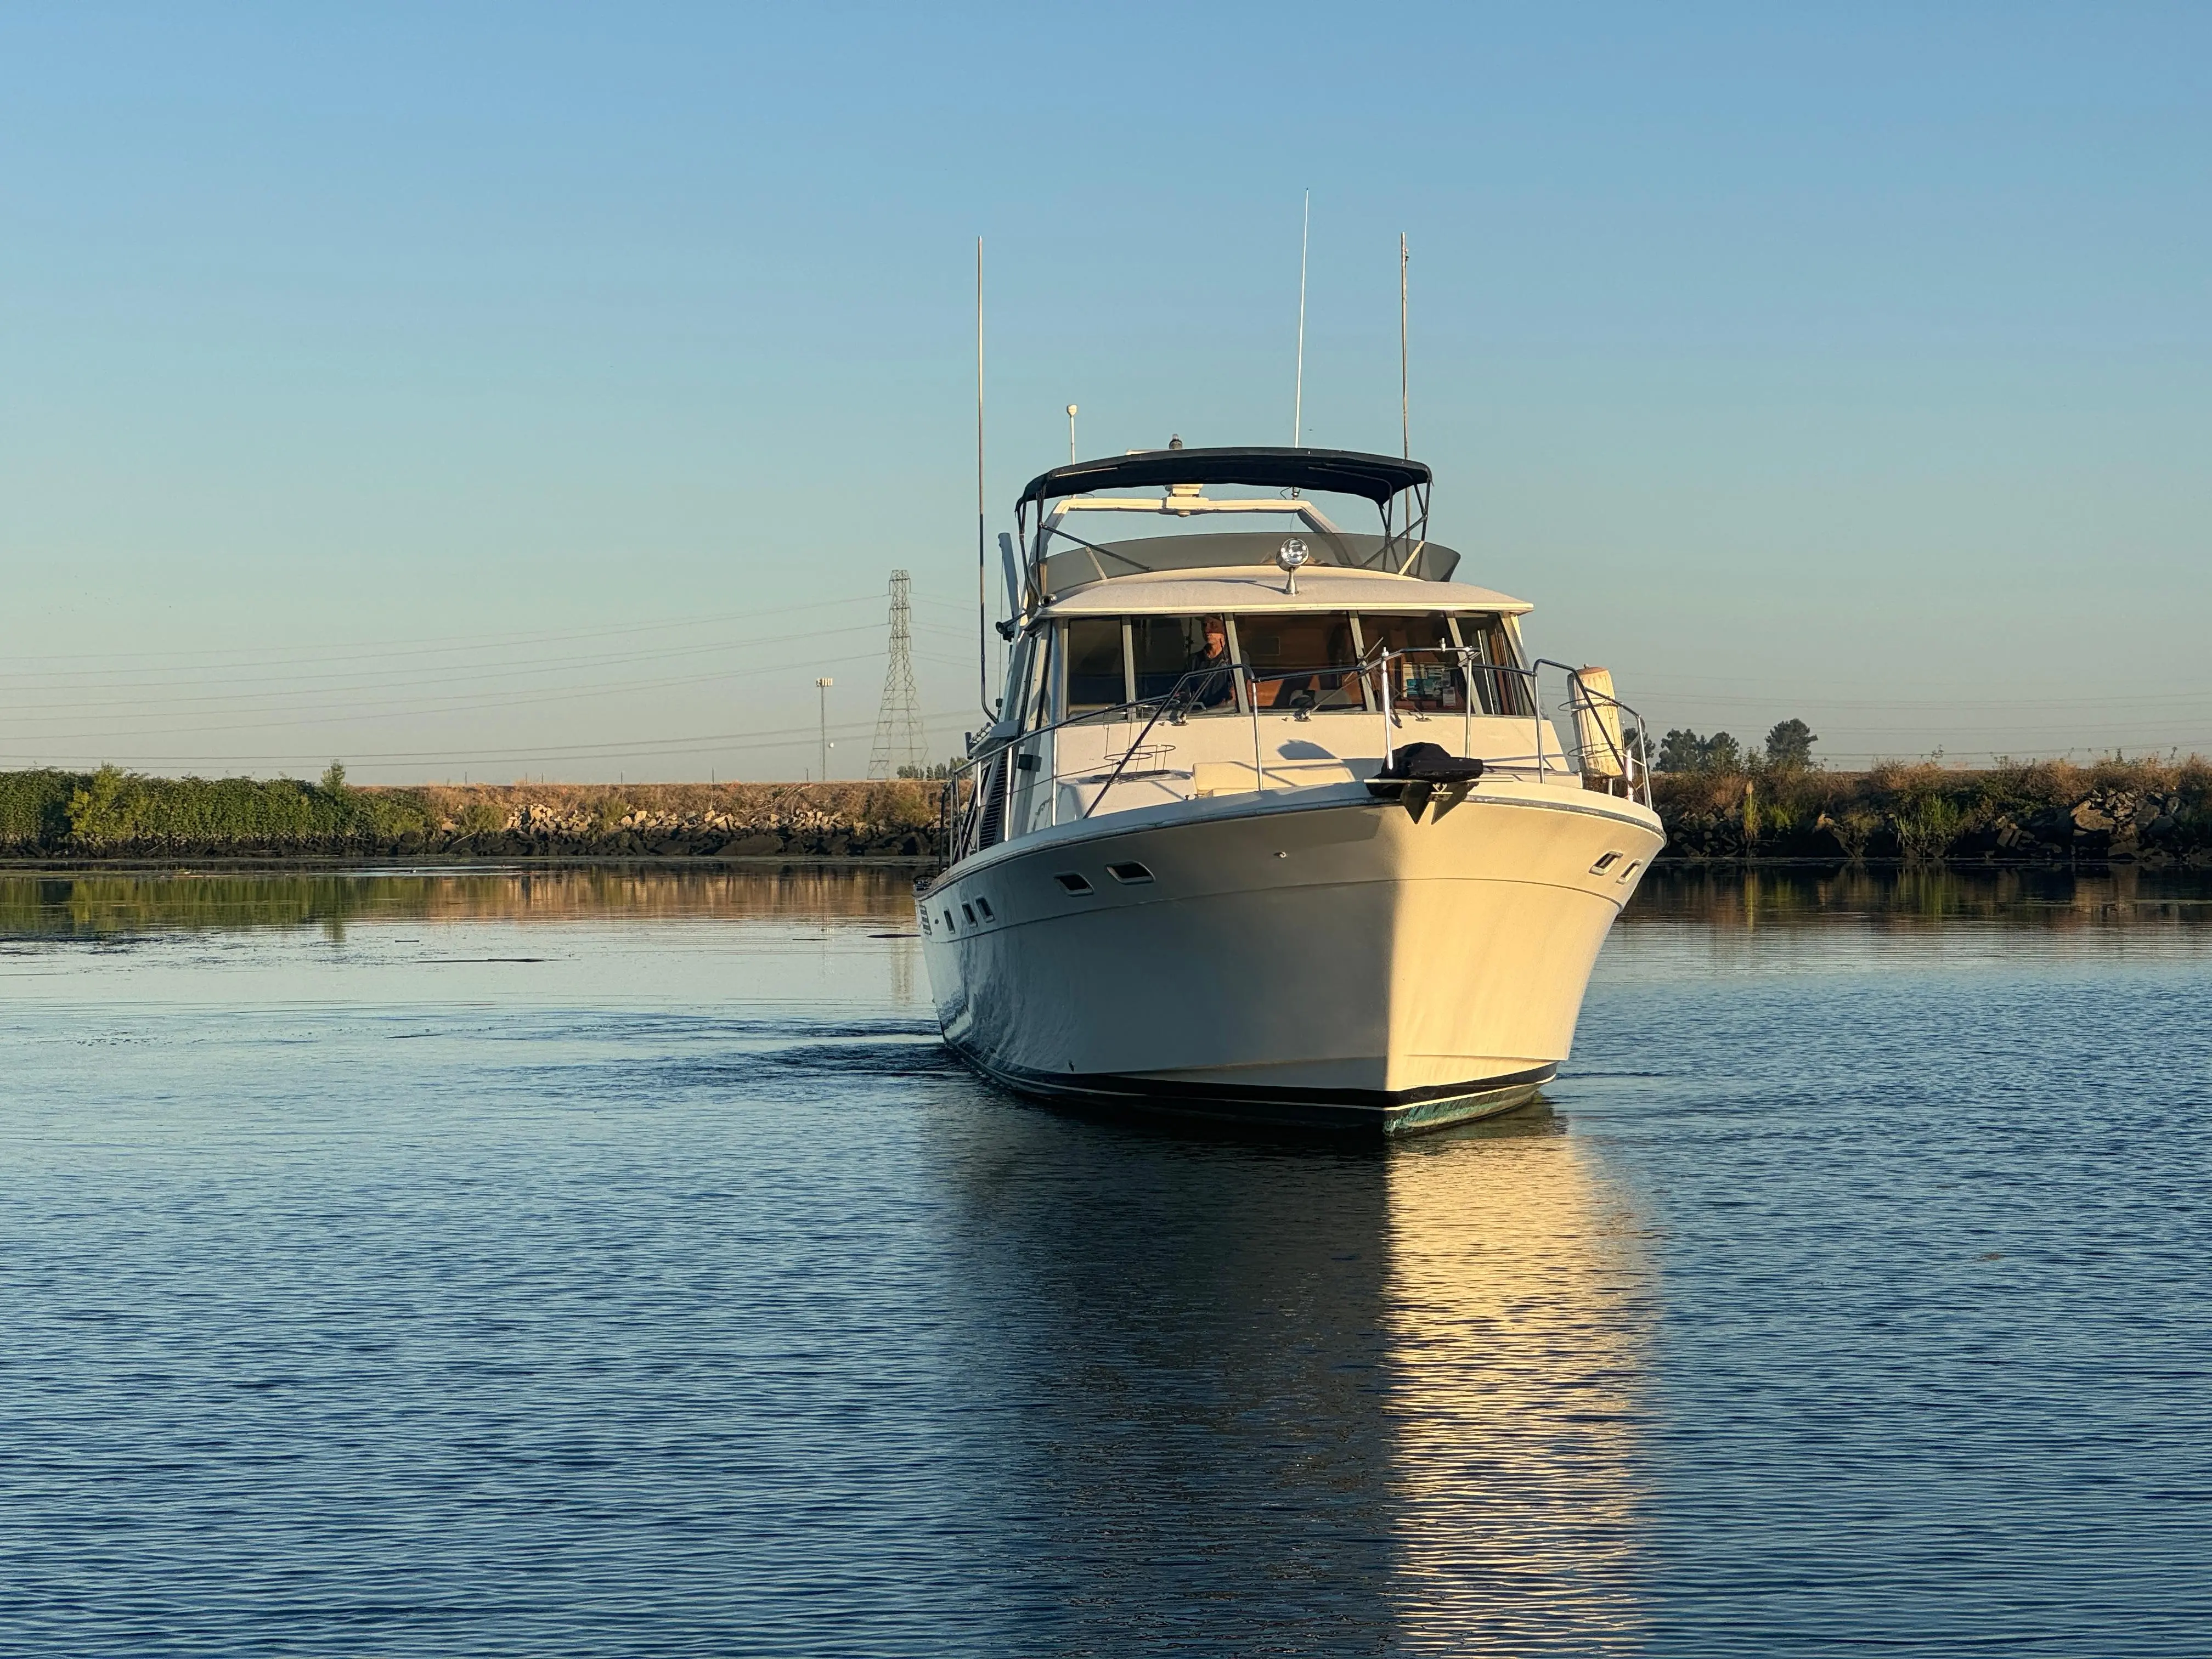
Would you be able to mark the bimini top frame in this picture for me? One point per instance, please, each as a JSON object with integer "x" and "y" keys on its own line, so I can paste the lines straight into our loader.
{"x": 1336, "y": 471}
{"x": 1183, "y": 472}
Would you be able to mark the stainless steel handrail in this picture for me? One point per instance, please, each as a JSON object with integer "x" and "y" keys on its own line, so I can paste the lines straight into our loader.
{"x": 958, "y": 828}
{"x": 1633, "y": 759}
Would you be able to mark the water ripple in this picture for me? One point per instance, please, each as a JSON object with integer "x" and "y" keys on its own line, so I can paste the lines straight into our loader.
{"x": 674, "y": 1293}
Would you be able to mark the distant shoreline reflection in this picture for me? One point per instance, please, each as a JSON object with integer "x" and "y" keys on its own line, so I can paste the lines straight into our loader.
{"x": 2120, "y": 895}
{"x": 103, "y": 904}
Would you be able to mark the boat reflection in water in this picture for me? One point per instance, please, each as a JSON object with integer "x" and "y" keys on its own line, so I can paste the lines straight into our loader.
{"x": 1344, "y": 1398}
{"x": 1517, "y": 1310}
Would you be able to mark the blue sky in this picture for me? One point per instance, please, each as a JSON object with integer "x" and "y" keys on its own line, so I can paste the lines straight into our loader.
{"x": 550, "y": 390}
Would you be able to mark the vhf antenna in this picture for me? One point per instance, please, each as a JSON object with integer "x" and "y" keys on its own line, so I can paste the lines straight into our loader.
{"x": 982, "y": 602}
{"x": 1405, "y": 406}
{"x": 1298, "y": 394}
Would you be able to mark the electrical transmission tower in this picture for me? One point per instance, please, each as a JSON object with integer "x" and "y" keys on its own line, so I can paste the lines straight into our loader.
{"x": 898, "y": 722}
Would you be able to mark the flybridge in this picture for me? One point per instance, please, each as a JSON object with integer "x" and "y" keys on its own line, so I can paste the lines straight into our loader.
{"x": 1402, "y": 548}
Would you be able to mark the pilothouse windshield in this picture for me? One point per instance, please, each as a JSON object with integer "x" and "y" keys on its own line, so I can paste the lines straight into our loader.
{"x": 1292, "y": 662}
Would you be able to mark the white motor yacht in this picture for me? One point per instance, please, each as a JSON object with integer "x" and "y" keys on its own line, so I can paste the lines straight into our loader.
{"x": 1273, "y": 823}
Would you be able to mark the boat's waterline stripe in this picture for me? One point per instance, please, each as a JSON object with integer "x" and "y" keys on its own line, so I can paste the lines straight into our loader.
{"x": 1376, "y": 1103}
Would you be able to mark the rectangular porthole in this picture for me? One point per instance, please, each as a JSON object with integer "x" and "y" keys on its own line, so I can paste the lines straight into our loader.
{"x": 948, "y": 918}
{"x": 1629, "y": 872}
{"x": 1128, "y": 874}
{"x": 1074, "y": 883}
{"x": 968, "y": 911}
{"x": 1604, "y": 863}
{"x": 984, "y": 908}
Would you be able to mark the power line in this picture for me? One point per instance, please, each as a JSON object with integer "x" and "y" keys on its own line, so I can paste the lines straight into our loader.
{"x": 781, "y": 738}
{"x": 292, "y": 691}
{"x": 449, "y": 706}
{"x": 370, "y": 650}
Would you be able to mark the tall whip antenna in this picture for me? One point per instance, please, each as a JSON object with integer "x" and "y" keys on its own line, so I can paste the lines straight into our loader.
{"x": 1405, "y": 406}
{"x": 982, "y": 605}
{"x": 1299, "y": 396}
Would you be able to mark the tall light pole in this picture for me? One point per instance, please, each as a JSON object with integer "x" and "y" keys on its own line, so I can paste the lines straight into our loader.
{"x": 822, "y": 691}
{"x": 1071, "y": 434}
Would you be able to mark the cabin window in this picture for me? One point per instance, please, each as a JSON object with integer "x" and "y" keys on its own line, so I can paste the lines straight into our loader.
{"x": 1095, "y": 672}
{"x": 1427, "y": 684}
{"x": 1496, "y": 692}
{"x": 1188, "y": 655}
{"x": 1288, "y": 655}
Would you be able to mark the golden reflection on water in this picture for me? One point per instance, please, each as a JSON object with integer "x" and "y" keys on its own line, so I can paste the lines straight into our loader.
{"x": 1518, "y": 1307}
{"x": 1391, "y": 1399}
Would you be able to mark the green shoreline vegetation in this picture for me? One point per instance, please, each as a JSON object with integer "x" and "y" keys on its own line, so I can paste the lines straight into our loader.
{"x": 1718, "y": 806}
{"x": 53, "y": 815}
{"x": 1721, "y": 802}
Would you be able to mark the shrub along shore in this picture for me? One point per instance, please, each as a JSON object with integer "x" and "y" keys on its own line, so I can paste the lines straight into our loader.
{"x": 69, "y": 816}
{"x": 2155, "y": 812}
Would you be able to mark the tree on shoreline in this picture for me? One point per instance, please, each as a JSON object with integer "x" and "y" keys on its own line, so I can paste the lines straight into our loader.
{"x": 1790, "y": 746}
{"x": 1789, "y": 749}
{"x": 1684, "y": 751}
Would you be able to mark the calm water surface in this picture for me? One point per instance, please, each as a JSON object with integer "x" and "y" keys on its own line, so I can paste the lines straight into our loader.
{"x": 600, "y": 1264}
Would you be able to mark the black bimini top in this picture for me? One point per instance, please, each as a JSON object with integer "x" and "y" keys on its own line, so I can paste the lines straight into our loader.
{"x": 1343, "y": 472}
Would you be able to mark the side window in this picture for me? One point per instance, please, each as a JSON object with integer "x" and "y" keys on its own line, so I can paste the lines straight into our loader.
{"x": 1429, "y": 680}
{"x": 1186, "y": 656}
{"x": 1036, "y": 679}
{"x": 1021, "y": 680}
{"x": 1093, "y": 663}
{"x": 1496, "y": 693}
{"x": 1287, "y": 653}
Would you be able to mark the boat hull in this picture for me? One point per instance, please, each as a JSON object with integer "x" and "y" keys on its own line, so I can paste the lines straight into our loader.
{"x": 1316, "y": 958}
